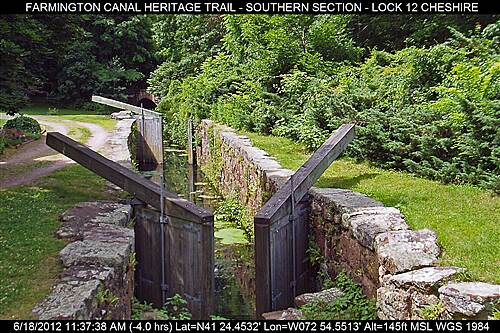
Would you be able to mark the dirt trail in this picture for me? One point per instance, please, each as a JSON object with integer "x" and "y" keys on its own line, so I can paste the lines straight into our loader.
{"x": 38, "y": 151}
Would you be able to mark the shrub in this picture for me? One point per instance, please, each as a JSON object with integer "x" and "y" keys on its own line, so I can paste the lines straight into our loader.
{"x": 53, "y": 111}
{"x": 352, "y": 305}
{"x": 25, "y": 124}
{"x": 433, "y": 111}
{"x": 97, "y": 108}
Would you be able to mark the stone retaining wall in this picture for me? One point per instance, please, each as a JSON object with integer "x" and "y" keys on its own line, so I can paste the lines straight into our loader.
{"x": 373, "y": 243}
{"x": 97, "y": 281}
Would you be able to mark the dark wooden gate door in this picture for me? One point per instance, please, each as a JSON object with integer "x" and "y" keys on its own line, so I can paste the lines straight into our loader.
{"x": 281, "y": 230}
{"x": 188, "y": 260}
{"x": 188, "y": 231}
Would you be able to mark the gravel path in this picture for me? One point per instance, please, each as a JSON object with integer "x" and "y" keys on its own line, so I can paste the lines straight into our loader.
{"x": 36, "y": 151}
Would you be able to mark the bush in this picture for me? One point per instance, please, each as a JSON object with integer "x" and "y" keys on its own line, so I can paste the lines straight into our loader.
{"x": 97, "y": 108}
{"x": 433, "y": 111}
{"x": 25, "y": 124}
{"x": 3, "y": 143}
{"x": 352, "y": 305}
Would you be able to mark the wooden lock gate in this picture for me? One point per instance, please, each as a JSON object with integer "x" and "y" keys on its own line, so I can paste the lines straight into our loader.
{"x": 174, "y": 241}
{"x": 281, "y": 233}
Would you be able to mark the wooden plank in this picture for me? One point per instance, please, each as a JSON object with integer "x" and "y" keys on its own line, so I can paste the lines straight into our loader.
{"x": 128, "y": 180}
{"x": 123, "y": 106}
{"x": 263, "y": 267}
{"x": 150, "y": 140}
{"x": 190, "y": 142}
{"x": 207, "y": 253}
{"x": 279, "y": 205}
{"x": 189, "y": 261}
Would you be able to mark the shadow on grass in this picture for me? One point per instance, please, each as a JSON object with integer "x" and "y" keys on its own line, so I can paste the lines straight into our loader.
{"x": 344, "y": 182}
{"x": 43, "y": 110}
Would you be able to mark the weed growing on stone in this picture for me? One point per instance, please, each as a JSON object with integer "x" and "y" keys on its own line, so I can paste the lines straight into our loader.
{"x": 432, "y": 311}
{"x": 496, "y": 311}
{"x": 175, "y": 309}
{"x": 106, "y": 297}
{"x": 146, "y": 311}
{"x": 352, "y": 305}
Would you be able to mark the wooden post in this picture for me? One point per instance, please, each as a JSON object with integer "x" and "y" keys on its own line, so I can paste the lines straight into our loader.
{"x": 128, "y": 180}
{"x": 190, "y": 150}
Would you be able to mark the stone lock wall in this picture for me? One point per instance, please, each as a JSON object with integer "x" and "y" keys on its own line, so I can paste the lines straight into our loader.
{"x": 236, "y": 167}
{"x": 97, "y": 280}
{"x": 394, "y": 264}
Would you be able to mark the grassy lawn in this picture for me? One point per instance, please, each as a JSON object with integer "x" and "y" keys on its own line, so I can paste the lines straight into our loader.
{"x": 28, "y": 249}
{"x": 105, "y": 122}
{"x": 29, "y": 218}
{"x": 465, "y": 218}
{"x": 44, "y": 110}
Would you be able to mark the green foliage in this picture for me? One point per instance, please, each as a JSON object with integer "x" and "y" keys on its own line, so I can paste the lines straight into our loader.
{"x": 139, "y": 309}
{"x": 52, "y": 111}
{"x": 96, "y": 108}
{"x": 105, "y": 297}
{"x": 495, "y": 314}
{"x": 67, "y": 58}
{"x": 25, "y": 124}
{"x": 314, "y": 254}
{"x": 217, "y": 317}
{"x": 175, "y": 309}
{"x": 432, "y": 311}
{"x": 233, "y": 212}
{"x": 433, "y": 111}
{"x": 353, "y": 305}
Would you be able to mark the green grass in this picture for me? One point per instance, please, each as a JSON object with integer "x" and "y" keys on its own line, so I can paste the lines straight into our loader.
{"x": 105, "y": 122}
{"x": 465, "y": 218}
{"x": 28, "y": 249}
{"x": 80, "y": 134}
{"x": 41, "y": 110}
{"x": 11, "y": 171}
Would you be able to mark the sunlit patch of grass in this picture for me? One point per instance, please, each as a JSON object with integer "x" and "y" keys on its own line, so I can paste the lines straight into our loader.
{"x": 29, "y": 216}
{"x": 105, "y": 122}
{"x": 465, "y": 218}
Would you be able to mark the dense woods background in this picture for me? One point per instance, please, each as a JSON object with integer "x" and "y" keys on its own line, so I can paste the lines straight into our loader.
{"x": 424, "y": 90}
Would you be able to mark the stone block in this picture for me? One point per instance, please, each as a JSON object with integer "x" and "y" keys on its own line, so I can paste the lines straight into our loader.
{"x": 427, "y": 279}
{"x": 89, "y": 252}
{"x": 405, "y": 250}
{"x": 393, "y": 304}
{"x": 469, "y": 299}
{"x": 366, "y": 223}
{"x": 326, "y": 296}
